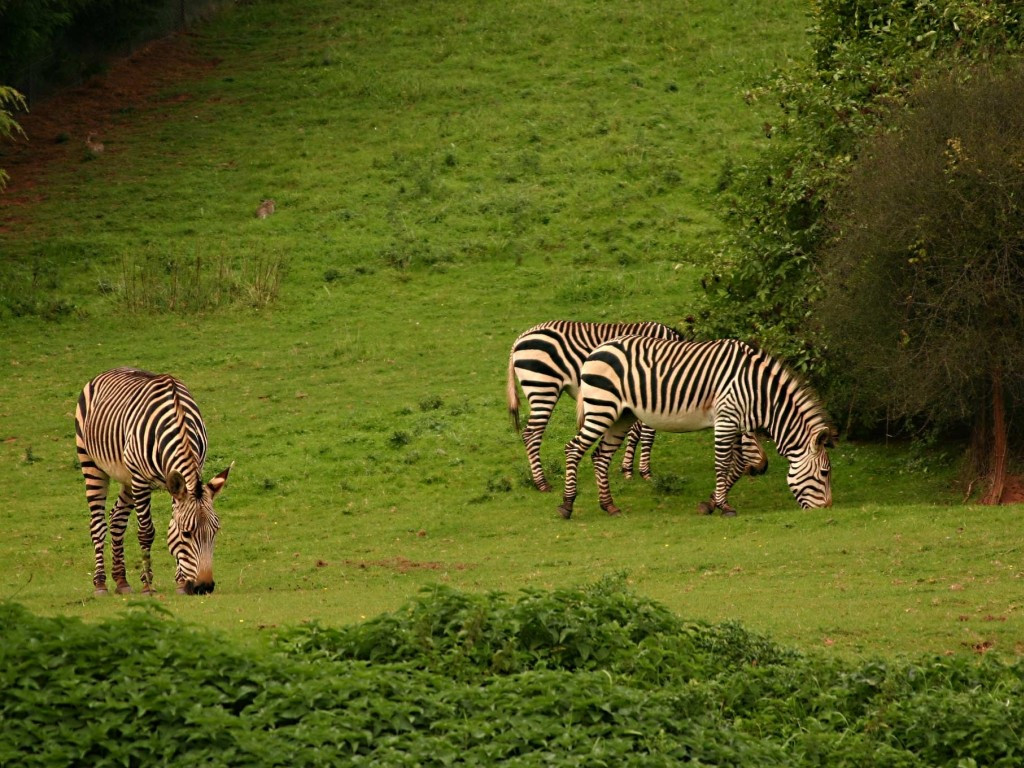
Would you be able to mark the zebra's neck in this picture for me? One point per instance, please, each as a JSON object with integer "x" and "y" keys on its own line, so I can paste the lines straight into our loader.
{"x": 183, "y": 458}
{"x": 783, "y": 407}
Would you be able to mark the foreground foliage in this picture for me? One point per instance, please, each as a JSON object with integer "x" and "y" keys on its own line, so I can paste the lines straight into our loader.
{"x": 595, "y": 676}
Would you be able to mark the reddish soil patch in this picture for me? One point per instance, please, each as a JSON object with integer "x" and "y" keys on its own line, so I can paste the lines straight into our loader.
{"x": 404, "y": 565}
{"x": 56, "y": 128}
{"x": 1013, "y": 490}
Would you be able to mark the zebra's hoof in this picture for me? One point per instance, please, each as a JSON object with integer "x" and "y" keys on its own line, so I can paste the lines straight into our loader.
{"x": 627, "y": 473}
{"x": 148, "y": 591}
{"x": 612, "y": 510}
{"x": 543, "y": 487}
{"x": 728, "y": 512}
{"x": 646, "y": 476}
{"x": 706, "y": 508}
{"x": 565, "y": 511}
{"x": 100, "y": 592}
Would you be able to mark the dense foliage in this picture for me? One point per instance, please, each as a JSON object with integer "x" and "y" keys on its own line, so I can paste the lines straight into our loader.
{"x": 46, "y": 37}
{"x": 594, "y": 676}
{"x": 866, "y": 56}
{"x": 925, "y": 279}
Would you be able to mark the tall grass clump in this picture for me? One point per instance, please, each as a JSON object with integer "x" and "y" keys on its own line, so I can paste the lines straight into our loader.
{"x": 159, "y": 281}
{"x": 592, "y": 676}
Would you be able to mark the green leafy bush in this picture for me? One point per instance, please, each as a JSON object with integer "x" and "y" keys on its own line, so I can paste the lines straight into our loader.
{"x": 865, "y": 57}
{"x": 595, "y": 676}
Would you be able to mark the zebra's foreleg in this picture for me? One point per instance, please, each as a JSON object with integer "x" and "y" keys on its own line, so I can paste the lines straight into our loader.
{"x": 541, "y": 407}
{"x": 646, "y": 444}
{"x": 629, "y": 452}
{"x": 728, "y": 468}
{"x": 602, "y": 458}
{"x": 118, "y": 523}
{"x": 147, "y": 533}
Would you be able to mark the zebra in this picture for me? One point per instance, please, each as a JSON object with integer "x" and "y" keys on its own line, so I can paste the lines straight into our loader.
{"x": 685, "y": 386}
{"x": 546, "y": 360}
{"x": 145, "y": 431}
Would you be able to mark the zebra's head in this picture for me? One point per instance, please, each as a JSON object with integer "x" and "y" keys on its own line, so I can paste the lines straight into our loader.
{"x": 192, "y": 529}
{"x": 810, "y": 471}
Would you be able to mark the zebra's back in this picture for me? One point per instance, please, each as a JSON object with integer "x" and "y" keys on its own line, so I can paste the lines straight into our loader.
{"x": 133, "y": 422}
{"x": 555, "y": 351}
{"x": 670, "y": 385}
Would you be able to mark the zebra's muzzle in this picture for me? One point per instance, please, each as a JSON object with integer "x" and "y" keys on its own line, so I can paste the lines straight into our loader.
{"x": 200, "y": 588}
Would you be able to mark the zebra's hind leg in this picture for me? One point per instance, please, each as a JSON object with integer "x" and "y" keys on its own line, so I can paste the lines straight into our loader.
{"x": 96, "y": 482}
{"x": 540, "y": 413}
{"x": 118, "y": 523}
{"x": 602, "y": 458}
{"x": 574, "y": 451}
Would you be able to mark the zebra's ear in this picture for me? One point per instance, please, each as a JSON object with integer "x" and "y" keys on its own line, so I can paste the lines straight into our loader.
{"x": 176, "y": 485}
{"x": 826, "y": 438}
{"x": 216, "y": 484}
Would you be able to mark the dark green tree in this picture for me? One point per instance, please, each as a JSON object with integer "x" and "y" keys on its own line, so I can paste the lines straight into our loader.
{"x": 865, "y": 57}
{"x": 924, "y": 282}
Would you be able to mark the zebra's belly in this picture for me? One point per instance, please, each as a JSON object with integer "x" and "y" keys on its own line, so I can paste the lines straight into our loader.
{"x": 116, "y": 469}
{"x": 678, "y": 421}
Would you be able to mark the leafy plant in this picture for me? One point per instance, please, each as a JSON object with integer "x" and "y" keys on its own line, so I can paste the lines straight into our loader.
{"x": 566, "y": 677}
{"x": 925, "y": 278}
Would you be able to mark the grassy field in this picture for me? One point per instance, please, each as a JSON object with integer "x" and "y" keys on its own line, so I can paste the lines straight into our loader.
{"x": 446, "y": 175}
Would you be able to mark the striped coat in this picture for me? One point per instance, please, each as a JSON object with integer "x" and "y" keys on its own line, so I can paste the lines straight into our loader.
{"x": 145, "y": 431}
{"x": 685, "y": 386}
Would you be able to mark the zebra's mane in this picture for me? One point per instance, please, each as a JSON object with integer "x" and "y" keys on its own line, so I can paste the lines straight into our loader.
{"x": 190, "y": 456}
{"x": 811, "y": 405}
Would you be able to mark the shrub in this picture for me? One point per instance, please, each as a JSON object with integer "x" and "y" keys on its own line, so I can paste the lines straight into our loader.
{"x": 865, "y": 57}
{"x": 925, "y": 279}
{"x": 570, "y": 677}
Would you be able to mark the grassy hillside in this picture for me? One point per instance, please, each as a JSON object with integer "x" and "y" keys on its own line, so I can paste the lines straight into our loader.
{"x": 445, "y": 176}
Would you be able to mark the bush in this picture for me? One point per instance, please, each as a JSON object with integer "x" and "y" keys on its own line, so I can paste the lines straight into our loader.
{"x": 866, "y": 55}
{"x": 593, "y": 676}
{"x": 925, "y": 280}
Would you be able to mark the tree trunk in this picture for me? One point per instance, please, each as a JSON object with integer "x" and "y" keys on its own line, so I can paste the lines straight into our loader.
{"x": 999, "y": 447}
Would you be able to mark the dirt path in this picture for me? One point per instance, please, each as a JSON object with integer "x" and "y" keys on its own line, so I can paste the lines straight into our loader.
{"x": 57, "y": 128}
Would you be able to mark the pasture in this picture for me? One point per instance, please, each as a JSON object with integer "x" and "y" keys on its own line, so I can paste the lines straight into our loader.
{"x": 445, "y": 176}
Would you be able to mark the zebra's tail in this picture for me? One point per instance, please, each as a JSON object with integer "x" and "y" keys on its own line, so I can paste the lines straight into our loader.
{"x": 512, "y": 393}
{"x": 580, "y": 415}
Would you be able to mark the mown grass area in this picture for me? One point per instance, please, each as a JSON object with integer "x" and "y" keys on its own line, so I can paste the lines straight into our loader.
{"x": 446, "y": 175}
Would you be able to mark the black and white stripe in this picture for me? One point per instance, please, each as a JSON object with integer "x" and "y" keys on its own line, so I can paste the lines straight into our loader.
{"x": 145, "y": 431}
{"x": 546, "y": 360}
{"x": 685, "y": 386}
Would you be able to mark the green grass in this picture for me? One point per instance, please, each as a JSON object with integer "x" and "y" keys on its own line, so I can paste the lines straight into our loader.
{"x": 446, "y": 175}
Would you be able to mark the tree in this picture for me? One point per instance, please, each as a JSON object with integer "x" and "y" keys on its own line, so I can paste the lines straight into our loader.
{"x": 10, "y": 99}
{"x": 865, "y": 57}
{"x": 924, "y": 281}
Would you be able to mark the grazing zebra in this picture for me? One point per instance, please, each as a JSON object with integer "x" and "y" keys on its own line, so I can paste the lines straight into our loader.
{"x": 145, "y": 431}
{"x": 686, "y": 386}
{"x": 546, "y": 360}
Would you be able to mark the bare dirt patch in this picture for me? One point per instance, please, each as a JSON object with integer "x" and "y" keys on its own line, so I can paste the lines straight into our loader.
{"x": 404, "y": 565}
{"x": 58, "y": 127}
